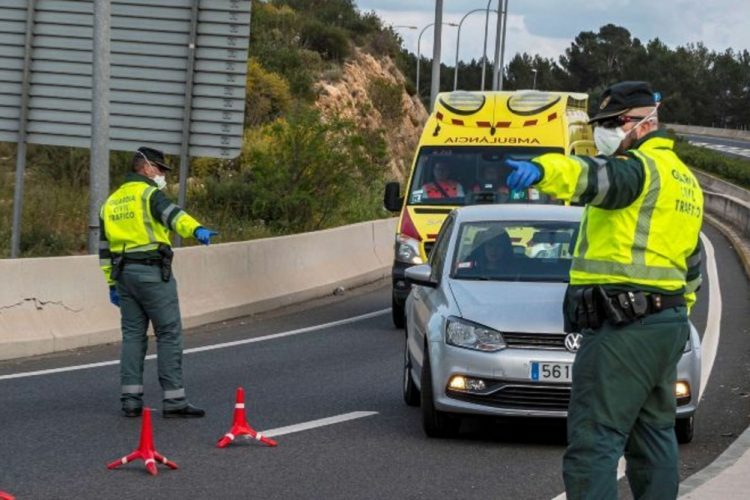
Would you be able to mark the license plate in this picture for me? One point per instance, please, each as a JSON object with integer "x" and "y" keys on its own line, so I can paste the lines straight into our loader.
{"x": 551, "y": 372}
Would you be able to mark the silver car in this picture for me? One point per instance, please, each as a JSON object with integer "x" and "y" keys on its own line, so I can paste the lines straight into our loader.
{"x": 484, "y": 322}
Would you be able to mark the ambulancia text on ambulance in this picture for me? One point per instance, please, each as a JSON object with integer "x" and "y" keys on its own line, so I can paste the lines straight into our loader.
{"x": 459, "y": 161}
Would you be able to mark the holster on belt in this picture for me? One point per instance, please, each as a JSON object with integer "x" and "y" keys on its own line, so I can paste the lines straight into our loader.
{"x": 589, "y": 307}
{"x": 166, "y": 254}
{"x": 118, "y": 263}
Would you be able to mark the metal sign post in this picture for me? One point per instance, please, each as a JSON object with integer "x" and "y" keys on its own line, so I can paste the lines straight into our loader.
{"x": 99, "y": 169}
{"x": 15, "y": 238}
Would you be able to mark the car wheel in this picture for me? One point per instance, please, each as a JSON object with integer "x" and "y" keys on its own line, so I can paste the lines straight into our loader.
{"x": 684, "y": 428}
{"x": 435, "y": 423}
{"x": 411, "y": 392}
{"x": 398, "y": 313}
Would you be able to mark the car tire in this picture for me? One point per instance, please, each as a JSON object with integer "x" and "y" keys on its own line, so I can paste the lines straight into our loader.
{"x": 398, "y": 312}
{"x": 436, "y": 424}
{"x": 684, "y": 428}
{"x": 411, "y": 392}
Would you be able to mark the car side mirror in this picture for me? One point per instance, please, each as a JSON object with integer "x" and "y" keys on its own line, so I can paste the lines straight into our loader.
{"x": 392, "y": 201}
{"x": 420, "y": 275}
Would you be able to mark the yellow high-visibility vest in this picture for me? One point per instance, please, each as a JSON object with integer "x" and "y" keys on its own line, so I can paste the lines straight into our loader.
{"x": 129, "y": 224}
{"x": 648, "y": 242}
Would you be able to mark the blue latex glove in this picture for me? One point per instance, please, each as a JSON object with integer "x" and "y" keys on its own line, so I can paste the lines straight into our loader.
{"x": 525, "y": 173}
{"x": 114, "y": 297}
{"x": 204, "y": 235}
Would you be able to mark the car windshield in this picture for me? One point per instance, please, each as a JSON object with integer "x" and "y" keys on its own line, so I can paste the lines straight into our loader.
{"x": 467, "y": 175}
{"x": 514, "y": 251}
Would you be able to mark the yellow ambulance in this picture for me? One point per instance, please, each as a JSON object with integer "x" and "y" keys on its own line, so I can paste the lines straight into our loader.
{"x": 459, "y": 161}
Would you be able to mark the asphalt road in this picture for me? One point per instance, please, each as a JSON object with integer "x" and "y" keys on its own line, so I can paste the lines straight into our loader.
{"x": 58, "y": 431}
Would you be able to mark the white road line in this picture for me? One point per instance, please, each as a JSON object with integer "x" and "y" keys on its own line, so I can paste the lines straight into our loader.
{"x": 710, "y": 341}
{"x": 224, "y": 345}
{"x": 738, "y": 150}
{"x": 314, "y": 424}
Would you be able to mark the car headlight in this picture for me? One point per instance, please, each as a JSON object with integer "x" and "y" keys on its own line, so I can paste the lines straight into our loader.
{"x": 462, "y": 333}
{"x": 407, "y": 250}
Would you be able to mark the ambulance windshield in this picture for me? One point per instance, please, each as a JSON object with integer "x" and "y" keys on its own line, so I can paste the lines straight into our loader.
{"x": 470, "y": 175}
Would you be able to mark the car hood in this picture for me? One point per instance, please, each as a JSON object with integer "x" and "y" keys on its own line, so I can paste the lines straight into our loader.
{"x": 511, "y": 306}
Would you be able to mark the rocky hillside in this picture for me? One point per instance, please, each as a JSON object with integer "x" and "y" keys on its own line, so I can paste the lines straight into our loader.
{"x": 370, "y": 91}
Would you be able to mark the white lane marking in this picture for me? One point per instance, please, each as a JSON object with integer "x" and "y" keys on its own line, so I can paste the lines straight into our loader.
{"x": 274, "y": 336}
{"x": 710, "y": 342}
{"x": 738, "y": 150}
{"x": 224, "y": 345}
{"x": 313, "y": 424}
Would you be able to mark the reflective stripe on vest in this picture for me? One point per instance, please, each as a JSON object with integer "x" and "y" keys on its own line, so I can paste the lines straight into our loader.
{"x": 649, "y": 242}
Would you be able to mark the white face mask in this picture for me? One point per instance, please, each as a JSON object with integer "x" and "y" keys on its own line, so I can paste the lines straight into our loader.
{"x": 161, "y": 182}
{"x": 608, "y": 140}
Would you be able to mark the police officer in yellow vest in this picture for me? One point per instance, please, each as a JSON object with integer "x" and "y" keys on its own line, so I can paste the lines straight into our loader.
{"x": 136, "y": 256}
{"x": 633, "y": 278}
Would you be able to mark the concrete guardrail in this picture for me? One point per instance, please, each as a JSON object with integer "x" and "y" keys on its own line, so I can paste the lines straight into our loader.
{"x": 725, "y": 133}
{"x": 728, "y": 208}
{"x": 54, "y": 304}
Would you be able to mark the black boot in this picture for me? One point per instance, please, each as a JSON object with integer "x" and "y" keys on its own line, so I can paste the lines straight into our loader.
{"x": 188, "y": 411}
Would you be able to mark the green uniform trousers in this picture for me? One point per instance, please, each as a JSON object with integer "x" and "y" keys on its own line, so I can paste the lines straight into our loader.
{"x": 145, "y": 297}
{"x": 623, "y": 402}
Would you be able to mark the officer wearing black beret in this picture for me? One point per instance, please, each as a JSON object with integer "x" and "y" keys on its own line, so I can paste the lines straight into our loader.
{"x": 635, "y": 270}
{"x": 136, "y": 256}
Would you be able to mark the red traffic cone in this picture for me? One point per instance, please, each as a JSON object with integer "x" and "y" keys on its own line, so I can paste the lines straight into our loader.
{"x": 240, "y": 427}
{"x": 6, "y": 496}
{"x": 146, "y": 450}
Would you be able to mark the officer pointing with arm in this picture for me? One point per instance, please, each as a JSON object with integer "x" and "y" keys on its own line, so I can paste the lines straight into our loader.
{"x": 633, "y": 278}
{"x": 136, "y": 256}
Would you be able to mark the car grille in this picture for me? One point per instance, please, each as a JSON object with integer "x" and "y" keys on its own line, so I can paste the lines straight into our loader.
{"x": 521, "y": 396}
{"x": 551, "y": 341}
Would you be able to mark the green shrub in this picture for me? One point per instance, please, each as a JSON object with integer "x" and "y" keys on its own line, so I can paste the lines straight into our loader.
{"x": 306, "y": 174}
{"x": 331, "y": 42}
{"x": 734, "y": 170}
{"x": 267, "y": 96}
{"x": 387, "y": 98}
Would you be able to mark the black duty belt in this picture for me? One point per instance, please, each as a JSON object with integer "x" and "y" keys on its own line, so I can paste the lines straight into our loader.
{"x": 590, "y": 307}
{"x": 144, "y": 262}
{"x": 658, "y": 302}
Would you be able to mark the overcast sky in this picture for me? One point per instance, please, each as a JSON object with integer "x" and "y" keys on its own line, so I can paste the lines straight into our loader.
{"x": 547, "y": 27}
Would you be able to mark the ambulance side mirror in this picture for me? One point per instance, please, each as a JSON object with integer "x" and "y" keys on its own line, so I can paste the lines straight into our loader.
{"x": 392, "y": 201}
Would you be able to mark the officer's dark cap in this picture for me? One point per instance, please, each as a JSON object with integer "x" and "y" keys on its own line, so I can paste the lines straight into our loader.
{"x": 624, "y": 96}
{"x": 154, "y": 156}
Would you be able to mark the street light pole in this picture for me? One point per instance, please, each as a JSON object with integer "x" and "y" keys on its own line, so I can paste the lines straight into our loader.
{"x": 533, "y": 86}
{"x": 419, "y": 54}
{"x": 502, "y": 46}
{"x": 502, "y": 21}
{"x": 484, "y": 50}
{"x": 458, "y": 41}
{"x": 419, "y": 50}
{"x": 436, "y": 50}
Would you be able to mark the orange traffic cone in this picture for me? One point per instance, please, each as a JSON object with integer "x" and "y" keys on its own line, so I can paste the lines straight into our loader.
{"x": 240, "y": 427}
{"x": 6, "y": 496}
{"x": 146, "y": 450}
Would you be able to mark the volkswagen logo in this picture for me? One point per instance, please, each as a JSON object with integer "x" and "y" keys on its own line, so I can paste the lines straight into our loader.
{"x": 573, "y": 341}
